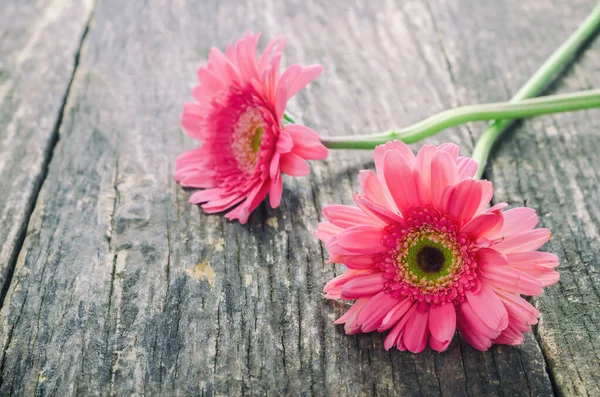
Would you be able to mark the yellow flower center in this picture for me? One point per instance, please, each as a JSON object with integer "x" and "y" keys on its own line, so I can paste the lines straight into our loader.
{"x": 246, "y": 139}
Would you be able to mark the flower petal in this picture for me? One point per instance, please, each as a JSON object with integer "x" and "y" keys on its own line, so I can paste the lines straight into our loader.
{"x": 416, "y": 332}
{"x": 395, "y": 314}
{"x": 294, "y": 165}
{"x": 375, "y": 310}
{"x": 374, "y": 190}
{"x": 398, "y": 146}
{"x": 443, "y": 174}
{"x": 510, "y": 279}
{"x": 276, "y": 191}
{"x": 399, "y": 180}
{"x": 529, "y": 240}
{"x": 489, "y": 308}
{"x": 367, "y": 285}
{"x": 306, "y": 75}
{"x": 346, "y": 216}
{"x": 394, "y": 338}
{"x": 462, "y": 200}
{"x": 442, "y": 322}
{"x": 364, "y": 239}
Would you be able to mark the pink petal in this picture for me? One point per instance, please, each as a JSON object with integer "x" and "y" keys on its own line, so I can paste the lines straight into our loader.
{"x": 264, "y": 60}
{"x": 534, "y": 258}
{"x": 364, "y": 286}
{"x": 280, "y": 101}
{"x": 450, "y": 148}
{"x": 529, "y": 240}
{"x": 442, "y": 322}
{"x": 379, "y": 214}
{"x": 423, "y": 172}
{"x": 313, "y": 153}
{"x": 301, "y": 134}
{"x": 364, "y": 239}
{"x": 517, "y": 307}
{"x": 193, "y": 125}
{"x": 276, "y": 191}
{"x": 510, "y": 336}
{"x": 326, "y": 230}
{"x": 358, "y": 261}
{"x": 462, "y": 200}
{"x": 294, "y": 165}
{"x": 257, "y": 195}
{"x": 289, "y": 76}
{"x": 193, "y": 156}
{"x": 202, "y": 196}
{"x": 519, "y": 220}
{"x": 489, "y": 308}
{"x": 373, "y": 189}
{"x": 199, "y": 180}
{"x": 437, "y": 345}
{"x": 473, "y": 329}
{"x": 350, "y": 326}
{"x": 484, "y": 225}
{"x": 467, "y": 168}
{"x": 492, "y": 257}
{"x": 487, "y": 192}
{"x": 353, "y": 312}
{"x": 443, "y": 174}
{"x": 375, "y": 310}
{"x": 307, "y": 143}
{"x": 395, "y": 314}
{"x": 478, "y": 341}
{"x": 346, "y": 216}
{"x": 210, "y": 80}
{"x": 274, "y": 166}
{"x": 219, "y": 205}
{"x": 306, "y": 75}
{"x": 397, "y": 146}
{"x": 416, "y": 333}
{"x": 510, "y": 279}
{"x": 284, "y": 142}
{"x": 399, "y": 180}
{"x": 395, "y": 335}
{"x": 333, "y": 289}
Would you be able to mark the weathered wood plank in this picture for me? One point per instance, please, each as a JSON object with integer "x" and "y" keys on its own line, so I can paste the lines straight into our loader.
{"x": 38, "y": 45}
{"x": 122, "y": 287}
{"x": 548, "y": 163}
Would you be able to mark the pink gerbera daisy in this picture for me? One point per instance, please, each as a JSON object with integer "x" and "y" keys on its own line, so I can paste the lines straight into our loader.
{"x": 426, "y": 257}
{"x": 238, "y": 118}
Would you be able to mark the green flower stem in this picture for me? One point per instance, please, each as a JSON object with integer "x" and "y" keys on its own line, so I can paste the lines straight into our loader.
{"x": 537, "y": 83}
{"x": 493, "y": 111}
{"x": 287, "y": 117}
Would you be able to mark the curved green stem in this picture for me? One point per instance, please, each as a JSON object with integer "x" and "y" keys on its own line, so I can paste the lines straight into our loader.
{"x": 537, "y": 83}
{"x": 464, "y": 114}
{"x": 287, "y": 117}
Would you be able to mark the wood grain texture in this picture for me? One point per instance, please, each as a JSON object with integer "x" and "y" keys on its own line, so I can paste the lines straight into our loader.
{"x": 548, "y": 163}
{"x": 39, "y": 42}
{"x": 123, "y": 288}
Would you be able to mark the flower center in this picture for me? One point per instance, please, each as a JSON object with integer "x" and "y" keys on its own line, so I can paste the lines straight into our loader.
{"x": 428, "y": 260}
{"x": 428, "y": 256}
{"x": 247, "y": 139}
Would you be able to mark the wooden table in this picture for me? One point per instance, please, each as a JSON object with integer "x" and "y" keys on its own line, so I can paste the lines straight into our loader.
{"x": 112, "y": 284}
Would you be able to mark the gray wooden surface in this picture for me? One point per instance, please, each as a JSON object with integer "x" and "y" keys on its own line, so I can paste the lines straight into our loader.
{"x": 112, "y": 284}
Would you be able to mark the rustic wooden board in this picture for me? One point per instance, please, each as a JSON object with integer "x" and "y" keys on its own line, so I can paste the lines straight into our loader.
{"x": 39, "y": 43}
{"x": 548, "y": 163}
{"x": 121, "y": 287}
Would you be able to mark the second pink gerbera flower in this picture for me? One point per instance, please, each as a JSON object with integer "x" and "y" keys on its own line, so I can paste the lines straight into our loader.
{"x": 425, "y": 257}
{"x": 238, "y": 117}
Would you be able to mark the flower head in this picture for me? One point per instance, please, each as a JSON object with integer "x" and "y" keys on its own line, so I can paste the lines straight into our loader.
{"x": 238, "y": 118}
{"x": 425, "y": 257}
